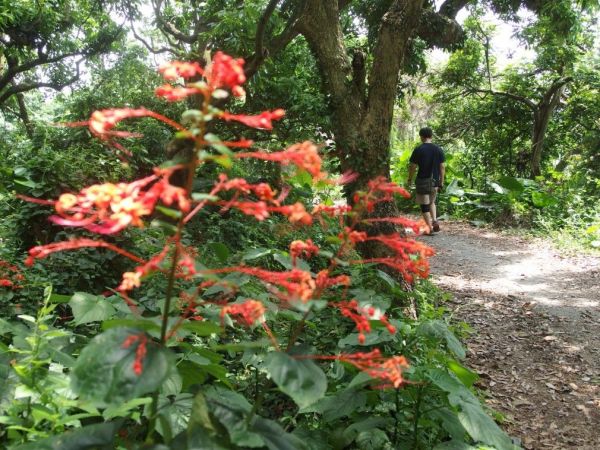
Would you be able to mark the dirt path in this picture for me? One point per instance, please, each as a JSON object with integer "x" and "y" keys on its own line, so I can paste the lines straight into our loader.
{"x": 536, "y": 341}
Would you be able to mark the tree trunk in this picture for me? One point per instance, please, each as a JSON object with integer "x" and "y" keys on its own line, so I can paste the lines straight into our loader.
{"x": 541, "y": 119}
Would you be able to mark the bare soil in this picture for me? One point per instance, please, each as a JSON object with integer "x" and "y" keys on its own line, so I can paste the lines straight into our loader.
{"x": 535, "y": 317}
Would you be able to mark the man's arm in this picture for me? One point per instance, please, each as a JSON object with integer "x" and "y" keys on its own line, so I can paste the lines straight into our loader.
{"x": 412, "y": 167}
{"x": 442, "y": 174}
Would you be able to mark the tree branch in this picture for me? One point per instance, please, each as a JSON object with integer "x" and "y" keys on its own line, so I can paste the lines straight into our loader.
{"x": 168, "y": 28}
{"x": 524, "y": 100}
{"x": 148, "y": 46}
{"x": 278, "y": 43}
{"x": 24, "y": 87}
{"x": 439, "y": 30}
{"x": 450, "y": 8}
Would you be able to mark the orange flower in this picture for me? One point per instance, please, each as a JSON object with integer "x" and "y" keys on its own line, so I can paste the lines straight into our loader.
{"x": 102, "y": 122}
{"x": 228, "y": 72}
{"x": 299, "y": 248}
{"x": 361, "y": 317}
{"x": 140, "y": 351}
{"x": 108, "y": 208}
{"x": 175, "y": 93}
{"x": 303, "y": 155}
{"x": 42, "y": 251}
{"x": 174, "y": 69}
{"x": 10, "y": 275}
{"x": 262, "y": 121}
{"x": 387, "y": 370}
{"x": 246, "y": 313}
{"x": 296, "y": 213}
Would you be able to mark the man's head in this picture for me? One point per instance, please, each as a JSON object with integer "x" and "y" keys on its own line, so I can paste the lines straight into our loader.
{"x": 425, "y": 133}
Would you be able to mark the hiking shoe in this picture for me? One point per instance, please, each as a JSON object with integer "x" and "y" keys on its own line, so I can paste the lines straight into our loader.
{"x": 436, "y": 226}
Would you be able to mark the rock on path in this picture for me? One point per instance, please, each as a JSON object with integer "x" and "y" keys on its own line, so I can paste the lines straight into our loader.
{"x": 535, "y": 317}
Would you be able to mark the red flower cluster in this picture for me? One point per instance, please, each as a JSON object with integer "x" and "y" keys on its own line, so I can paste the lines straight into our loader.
{"x": 246, "y": 313}
{"x": 140, "y": 351}
{"x": 361, "y": 317}
{"x": 102, "y": 122}
{"x": 304, "y": 155}
{"x": 175, "y": 93}
{"x": 108, "y": 208}
{"x": 296, "y": 213}
{"x": 387, "y": 370}
{"x": 225, "y": 71}
{"x": 262, "y": 121}
{"x": 222, "y": 72}
{"x": 299, "y": 248}
{"x": 379, "y": 190}
{"x": 297, "y": 284}
{"x": 42, "y": 251}
{"x": 174, "y": 69}
{"x": 410, "y": 256}
{"x": 10, "y": 276}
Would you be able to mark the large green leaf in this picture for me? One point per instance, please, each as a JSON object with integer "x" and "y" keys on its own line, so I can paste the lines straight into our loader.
{"x": 301, "y": 379}
{"x": 454, "y": 445}
{"x": 471, "y": 415}
{"x": 275, "y": 437}
{"x": 231, "y": 410}
{"x": 341, "y": 404}
{"x": 220, "y": 250}
{"x": 92, "y": 437}
{"x": 90, "y": 308}
{"x": 467, "y": 376}
{"x": 104, "y": 371}
{"x": 511, "y": 183}
{"x": 439, "y": 329}
{"x": 542, "y": 199}
{"x": 374, "y": 439}
{"x": 480, "y": 426}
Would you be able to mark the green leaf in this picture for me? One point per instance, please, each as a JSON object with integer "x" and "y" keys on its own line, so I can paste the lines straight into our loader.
{"x": 256, "y": 253}
{"x": 92, "y": 437}
{"x": 454, "y": 445}
{"x": 301, "y": 379}
{"x": 231, "y": 410}
{"x": 374, "y": 439}
{"x": 541, "y": 199}
{"x": 472, "y": 417}
{"x": 142, "y": 324}
{"x": 480, "y": 426}
{"x": 104, "y": 372}
{"x": 202, "y": 328}
{"x": 468, "y": 377}
{"x": 274, "y": 436}
{"x": 438, "y": 329}
{"x": 221, "y": 250}
{"x": 388, "y": 279}
{"x": 450, "y": 423}
{"x": 169, "y": 212}
{"x": 200, "y": 196}
{"x": 58, "y": 298}
{"x": 340, "y": 404}
{"x": 90, "y": 308}
{"x": 286, "y": 262}
{"x": 511, "y": 183}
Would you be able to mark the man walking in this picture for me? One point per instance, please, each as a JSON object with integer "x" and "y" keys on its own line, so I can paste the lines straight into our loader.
{"x": 429, "y": 159}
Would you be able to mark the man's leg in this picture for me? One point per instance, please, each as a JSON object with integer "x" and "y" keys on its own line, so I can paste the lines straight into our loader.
{"x": 424, "y": 203}
{"x": 434, "y": 221}
{"x": 432, "y": 205}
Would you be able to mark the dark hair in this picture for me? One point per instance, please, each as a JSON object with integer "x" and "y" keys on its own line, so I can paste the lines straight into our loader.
{"x": 426, "y": 132}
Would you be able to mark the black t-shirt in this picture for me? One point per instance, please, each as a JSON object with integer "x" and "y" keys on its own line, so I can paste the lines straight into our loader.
{"x": 428, "y": 157}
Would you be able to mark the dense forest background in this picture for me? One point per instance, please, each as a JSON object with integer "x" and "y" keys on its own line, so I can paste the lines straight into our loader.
{"x": 358, "y": 78}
